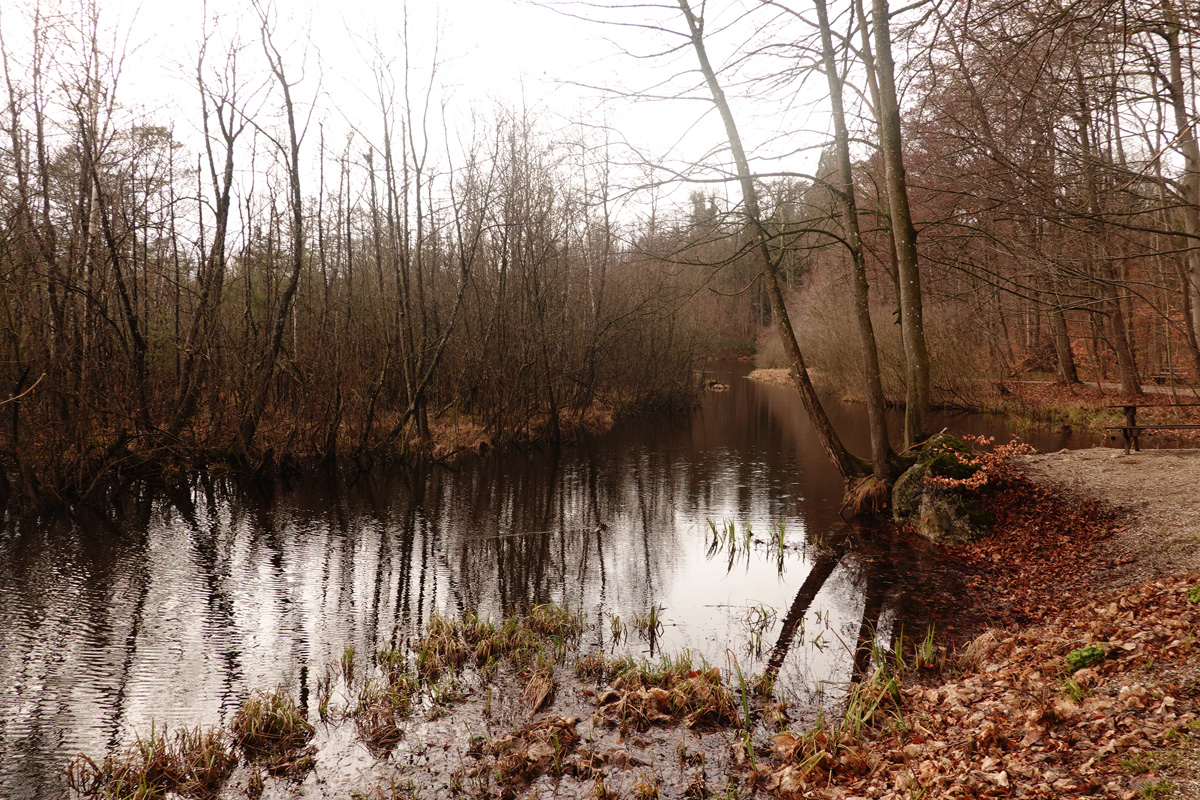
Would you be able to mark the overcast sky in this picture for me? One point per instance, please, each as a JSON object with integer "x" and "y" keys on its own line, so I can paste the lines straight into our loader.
{"x": 491, "y": 52}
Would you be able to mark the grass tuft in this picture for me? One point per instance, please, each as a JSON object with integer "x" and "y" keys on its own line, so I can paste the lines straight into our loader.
{"x": 271, "y": 730}
{"x": 193, "y": 763}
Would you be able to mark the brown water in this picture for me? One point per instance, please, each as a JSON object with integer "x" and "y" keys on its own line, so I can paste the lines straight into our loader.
{"x": 172, "y": 606}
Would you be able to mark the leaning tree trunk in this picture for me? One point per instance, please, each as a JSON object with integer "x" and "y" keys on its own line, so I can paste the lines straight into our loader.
{"x": 846, "y": 464}
{"x": 881, "y": 449}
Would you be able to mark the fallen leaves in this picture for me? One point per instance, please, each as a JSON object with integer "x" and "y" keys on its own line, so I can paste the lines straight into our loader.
{"x": 1018, "y": 722}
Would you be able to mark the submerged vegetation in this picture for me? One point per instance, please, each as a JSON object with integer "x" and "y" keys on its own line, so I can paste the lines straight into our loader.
{"x": 456, "y": 662}
{"x": 914, "y": 722}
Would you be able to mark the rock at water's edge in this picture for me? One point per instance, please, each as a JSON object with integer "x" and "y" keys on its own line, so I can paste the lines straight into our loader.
{"x": 945, "y": 515}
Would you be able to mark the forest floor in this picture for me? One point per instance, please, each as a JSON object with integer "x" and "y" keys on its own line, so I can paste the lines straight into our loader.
{"x": 1087, "y": 684}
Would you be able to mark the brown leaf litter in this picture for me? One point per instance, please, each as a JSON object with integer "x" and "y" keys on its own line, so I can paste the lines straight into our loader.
{"x": 1018, "y": 722}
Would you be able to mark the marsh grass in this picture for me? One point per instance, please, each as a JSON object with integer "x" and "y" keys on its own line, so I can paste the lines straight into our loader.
{"x": 448, "y": 643}
{"x": 737, "y": 546}
{"x": 271, "y": 730}
{"x": 347, "y": 664}
{"x": 758, "y": 619}
{"x": 649, "y": 623}
{"x": 873, "y": 703}
{"x": 442, "y": 647}
{"x": 555, "y": 621}
{"x": 192, "y": 763}
{"x": 380, "y": 698}
{"x": 381, "y": 707}
{"x": 674, "y": 689}
{"x": 205, "y": 759}
{"x": 598, "y": 668}
{"x": 618, "y": 630}
{"x": 539, "y": 689}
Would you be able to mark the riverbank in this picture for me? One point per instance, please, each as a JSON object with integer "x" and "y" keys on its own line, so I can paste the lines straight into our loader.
{"x": 1047, "y": 405}
{"x": 118, "y": 460}
{"x": 1086, "y": 684}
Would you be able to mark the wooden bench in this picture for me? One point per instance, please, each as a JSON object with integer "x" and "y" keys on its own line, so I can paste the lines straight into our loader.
{"x": 1131, "y": 430}
{"x": 1171, "y": 375}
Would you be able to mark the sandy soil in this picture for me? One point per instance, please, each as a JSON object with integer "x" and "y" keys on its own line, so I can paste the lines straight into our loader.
{"x": 1158, "y": 490}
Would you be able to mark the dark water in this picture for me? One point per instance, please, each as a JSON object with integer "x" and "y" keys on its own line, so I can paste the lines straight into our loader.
{"x": 173, "y": 606}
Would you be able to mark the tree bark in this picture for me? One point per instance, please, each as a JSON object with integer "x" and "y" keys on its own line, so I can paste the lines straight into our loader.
{"x": 846, "y": 464}
{"x": 1190, "y": 149}
{"x": 843, "y": 191}
{"x": 904, "y": 235}
{"x": 266, "y": 367}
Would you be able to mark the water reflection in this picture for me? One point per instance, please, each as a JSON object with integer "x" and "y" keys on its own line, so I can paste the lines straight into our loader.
{"x": 172, "y": 605}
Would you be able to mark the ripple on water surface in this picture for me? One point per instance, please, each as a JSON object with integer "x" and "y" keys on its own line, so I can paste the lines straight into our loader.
{"x": 172, "y": 606}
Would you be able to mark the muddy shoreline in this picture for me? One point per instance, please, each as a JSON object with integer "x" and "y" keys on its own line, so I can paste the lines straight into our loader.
{"x": 1093, "y": 558}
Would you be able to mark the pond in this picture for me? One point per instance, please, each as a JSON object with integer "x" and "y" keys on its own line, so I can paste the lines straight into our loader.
{"x": 723, "y": 522}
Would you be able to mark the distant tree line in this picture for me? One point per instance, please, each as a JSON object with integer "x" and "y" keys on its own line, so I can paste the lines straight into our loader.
{"x": 1005, "y": 188}
{"x": 280, "y": 296}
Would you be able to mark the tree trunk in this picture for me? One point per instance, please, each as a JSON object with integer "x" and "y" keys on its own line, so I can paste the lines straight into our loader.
{"x": 1190, "y": 149}
{"x": 846, "y": 464}
{"x": 881, "y": 449}
{"x": 1065, "y": 359}
{"x": 904, "y": 235}
{"x": 196, "y": 348}
{"x": 266, "y": 367}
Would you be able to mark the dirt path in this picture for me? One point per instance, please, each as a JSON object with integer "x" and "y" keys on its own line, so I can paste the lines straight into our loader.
{"x": 1159, "y": 490}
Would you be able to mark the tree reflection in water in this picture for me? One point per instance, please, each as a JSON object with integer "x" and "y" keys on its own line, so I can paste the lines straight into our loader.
{"x": 171, "y": 605}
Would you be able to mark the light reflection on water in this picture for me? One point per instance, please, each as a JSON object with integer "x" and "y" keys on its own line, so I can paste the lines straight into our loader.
{"x": 173, "y": 606}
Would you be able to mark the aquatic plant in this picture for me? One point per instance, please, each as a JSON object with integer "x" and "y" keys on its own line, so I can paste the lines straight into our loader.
{"x": 193, "y": 763}
{"x": 674, "y": 689}
{"x": 205, "y": 759}
{"x": 142, "y": 771}
{"x": 617, "y": 628}
{"x": 758, "y": 619}
{"x": 347, "y": 664}
{"x": 380, "y": 708}
{"x": 596, "y": 666}
{"x": 270, "y": 728}
{"x": 441, "y": 647}
{"x": 325, "y": 695}
{"x": 649, "y": 624}
{"x": 555, "y": 621}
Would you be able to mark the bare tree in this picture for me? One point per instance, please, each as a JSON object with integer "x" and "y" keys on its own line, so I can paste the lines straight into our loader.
{"x": 847, "y": 465}
{"x": 289, "y": 149}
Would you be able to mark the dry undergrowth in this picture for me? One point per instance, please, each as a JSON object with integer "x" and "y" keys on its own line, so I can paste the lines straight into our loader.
{"x": 1100, "y": 701}
{"x": 192, "y": 763}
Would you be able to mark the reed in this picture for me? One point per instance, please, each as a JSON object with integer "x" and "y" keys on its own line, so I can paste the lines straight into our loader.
{"x": 269, "y": 728}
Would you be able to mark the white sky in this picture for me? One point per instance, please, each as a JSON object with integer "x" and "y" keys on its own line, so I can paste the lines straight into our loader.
{"x": 492, "y": 52}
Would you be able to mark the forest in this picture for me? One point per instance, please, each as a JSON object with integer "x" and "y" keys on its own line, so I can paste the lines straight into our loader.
{"x": 1002, "y": 189}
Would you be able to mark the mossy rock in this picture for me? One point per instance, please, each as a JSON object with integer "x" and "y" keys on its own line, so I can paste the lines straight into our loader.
{"x": 947, "y": 457}
{"x": 946, "y": 515}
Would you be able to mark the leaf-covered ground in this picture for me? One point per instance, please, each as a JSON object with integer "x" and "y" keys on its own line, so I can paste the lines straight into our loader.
{"x": 1013, "y": 718}
{"x": 1080, "y": 689}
